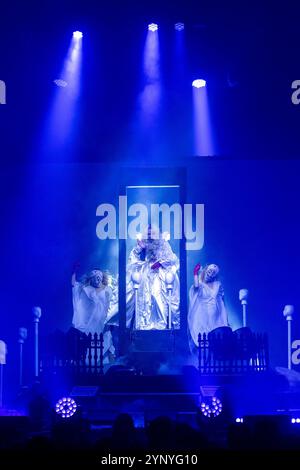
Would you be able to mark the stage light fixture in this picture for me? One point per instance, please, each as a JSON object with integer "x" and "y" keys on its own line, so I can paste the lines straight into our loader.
{"x": 199, "y": 83}
{"x": 239, "y": 420}
{"x": 66, "y": 407}
{"x": 179, "y": 26}
{"x": 153, "y": 27}
{"x": 61, "y": 83}
{"x": 77, "y": 34}
{"x": 211, "y": 408}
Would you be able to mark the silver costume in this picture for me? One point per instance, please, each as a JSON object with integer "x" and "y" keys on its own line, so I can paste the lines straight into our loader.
{"x": 152, "y": 293}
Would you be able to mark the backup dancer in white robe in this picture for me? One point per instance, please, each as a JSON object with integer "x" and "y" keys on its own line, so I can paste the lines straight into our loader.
{"x": 206, "y": 303}
{"x": 153, "y": 258}
{"x": 92, "y": 305}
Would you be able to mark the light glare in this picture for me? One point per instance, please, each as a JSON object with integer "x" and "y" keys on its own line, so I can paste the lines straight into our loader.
{"x": 77, "y": 34}
{"x": 153, "y": 27}
{"x": 179, "y": 26}
{"x": 199, "y": 83}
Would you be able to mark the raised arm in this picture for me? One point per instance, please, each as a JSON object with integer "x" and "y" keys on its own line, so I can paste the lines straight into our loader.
{"x": 75, "y": 269}
{"x": 196, "y": 275}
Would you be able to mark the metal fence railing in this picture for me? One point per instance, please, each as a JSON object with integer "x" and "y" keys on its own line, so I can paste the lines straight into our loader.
{"x": 223, "y": 351}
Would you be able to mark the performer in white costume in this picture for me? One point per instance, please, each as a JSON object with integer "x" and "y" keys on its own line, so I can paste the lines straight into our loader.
{"x": 153, "y": 258}
{"x": 93, "y": 305}
{"x": 206, "y": 303}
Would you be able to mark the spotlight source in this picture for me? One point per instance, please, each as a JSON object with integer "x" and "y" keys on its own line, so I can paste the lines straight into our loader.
{"x": 179, "y": 26}
{"x": 153, "y": 27}
{"x": 61, "y": 83}
{"x": 211, "y": 408}
{"x": 77, "y": 34}
{"x": 66, "y": 407}
{"x": 199, "y": 83}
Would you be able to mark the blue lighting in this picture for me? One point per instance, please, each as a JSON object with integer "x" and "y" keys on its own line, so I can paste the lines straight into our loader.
{"x": 153, "y": 27}
{"x": 204, "y": 144}
{"x": 179, "y": 26}
{"x": 77, "y": 34}
{"x": 59, "y": 125}
{"x": 199, "y": 83}
{"x": 239, "y": 420}
{"x": 66, "y": 407}
{"x": 149, "y": 99}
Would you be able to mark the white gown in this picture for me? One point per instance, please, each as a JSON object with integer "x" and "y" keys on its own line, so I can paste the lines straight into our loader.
{"x": 91, "y": 308}
{"x": 152, "y": 291}
{"x": 206, "y": 309}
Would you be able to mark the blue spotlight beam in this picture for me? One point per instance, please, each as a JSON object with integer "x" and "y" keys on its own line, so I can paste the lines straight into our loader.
{"x": 151, "y": 94}
{"x": 59, "y": 125}
{"x": 203, "y": 142}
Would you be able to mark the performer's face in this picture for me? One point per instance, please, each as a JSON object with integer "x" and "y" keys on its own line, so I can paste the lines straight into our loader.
{"x": 211, "y": 273}
{"x": 96, "y": 280}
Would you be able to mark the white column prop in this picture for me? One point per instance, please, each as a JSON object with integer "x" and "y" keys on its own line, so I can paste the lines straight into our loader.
{"x": 37, "y": 313}
{"x": 243, "y": 296}
{"x": 288, "y": 312}
{"x": 136, "y": 278}
{"x": 3, "y": 351}
{"x": 22, "y": 338}
{"x": 169, "y": 282}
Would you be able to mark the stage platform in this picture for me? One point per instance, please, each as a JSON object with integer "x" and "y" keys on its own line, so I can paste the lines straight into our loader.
{"x": 179, "y": 396}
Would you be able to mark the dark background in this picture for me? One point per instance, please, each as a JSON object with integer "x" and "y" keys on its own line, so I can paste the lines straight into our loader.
{"x": 248, "y": 53}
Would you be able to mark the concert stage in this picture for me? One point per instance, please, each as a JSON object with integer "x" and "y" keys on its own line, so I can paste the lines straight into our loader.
{"x": 180, "y": 396}
{"x": 149, "y": 192}
{"x": 172, "y": 403}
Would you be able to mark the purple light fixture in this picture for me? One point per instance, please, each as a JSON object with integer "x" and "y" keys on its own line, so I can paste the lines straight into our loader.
{"x": 211, "y": 408}
{"x": 66, "y": 407}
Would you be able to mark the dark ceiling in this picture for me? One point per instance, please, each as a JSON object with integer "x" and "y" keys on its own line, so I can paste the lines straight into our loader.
{"x": 247, "y": 51}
